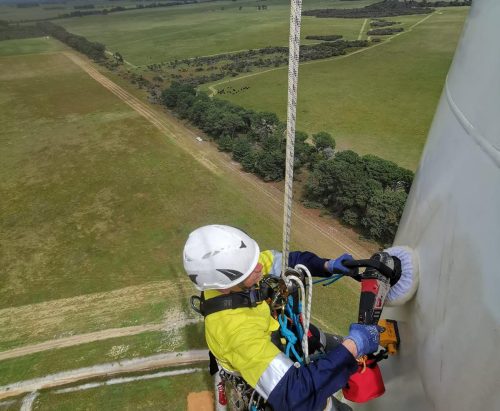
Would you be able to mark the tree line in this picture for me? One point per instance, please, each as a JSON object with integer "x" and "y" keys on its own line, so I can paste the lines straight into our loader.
{"x": 386, "y": 8}
{"x": 84, "y": 7}
{"x": 385, "y": 31}
{"x": 366, "y": 192}
{"x": 27, "y": 5}
{"x": 383, "y": 23}
{"x": 93, "y": 50}
{"x": 425, "y": 3}
{"x": 381, "y": 9}
{"x": 230, "y": 65}
{"x": 331, "y": 37}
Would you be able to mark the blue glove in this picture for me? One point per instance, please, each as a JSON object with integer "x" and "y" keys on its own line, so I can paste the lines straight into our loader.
{"x": 335, "y": 266}
{"x": 366, "y": 337}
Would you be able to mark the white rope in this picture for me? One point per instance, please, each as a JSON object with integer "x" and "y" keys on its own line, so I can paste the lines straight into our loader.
{"x": 293, "y": 71}
{"x": 306, "y": 309}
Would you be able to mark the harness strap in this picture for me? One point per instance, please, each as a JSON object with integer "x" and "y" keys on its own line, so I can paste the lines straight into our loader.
{"x": 231, "y": 301}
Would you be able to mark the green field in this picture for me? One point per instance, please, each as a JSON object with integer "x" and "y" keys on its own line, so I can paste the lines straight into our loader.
{"x": 97, "y": 206}
{"x": 380, "y": 101}
{"x": 95, "y": 199}
{"x": 97, "y": 202}
{"x": 99, "y": 352}
{"x": 167, "y": 393}
{"x": 87, "y": 185}
{"x": 164, "y": 34}
{"x": 29, "y": 46}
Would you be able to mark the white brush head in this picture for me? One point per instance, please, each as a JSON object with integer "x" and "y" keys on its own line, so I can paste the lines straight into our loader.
{"x": 406, "y": 287}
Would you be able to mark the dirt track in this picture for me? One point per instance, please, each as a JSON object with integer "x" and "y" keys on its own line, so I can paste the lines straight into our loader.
{"x": 103, "y": 371}
{"x": 217, "y": 163}
{"x": 91, "y": 337}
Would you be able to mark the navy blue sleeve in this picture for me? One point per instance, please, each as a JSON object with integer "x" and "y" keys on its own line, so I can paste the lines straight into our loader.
{"x": 307, "y": 388}
{"x": 315, "y": 264}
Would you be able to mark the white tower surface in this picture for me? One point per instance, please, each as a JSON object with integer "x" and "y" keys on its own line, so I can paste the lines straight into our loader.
{"x": 449, "y": 357}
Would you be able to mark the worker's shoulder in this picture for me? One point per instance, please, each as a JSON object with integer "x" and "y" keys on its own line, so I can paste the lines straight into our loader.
{"x": 239, "y": 319}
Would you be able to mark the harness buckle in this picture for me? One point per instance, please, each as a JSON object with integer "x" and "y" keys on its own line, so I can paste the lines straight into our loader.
{"x": 196, "y": 307}
{"x": 253, "y": 297}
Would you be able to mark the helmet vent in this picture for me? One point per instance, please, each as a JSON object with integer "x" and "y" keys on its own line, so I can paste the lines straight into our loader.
{"x": 210, "y": 254}
{"x": 193, "y": 278}
{"x": 243, "y": 245}
{"x": 231, "y": 274}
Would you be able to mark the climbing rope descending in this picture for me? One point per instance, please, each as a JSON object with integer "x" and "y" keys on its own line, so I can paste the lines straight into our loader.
{"x": 293, "y": 71}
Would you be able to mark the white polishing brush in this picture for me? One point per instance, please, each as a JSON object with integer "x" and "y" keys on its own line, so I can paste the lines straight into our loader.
{"x": 405, "y": 288}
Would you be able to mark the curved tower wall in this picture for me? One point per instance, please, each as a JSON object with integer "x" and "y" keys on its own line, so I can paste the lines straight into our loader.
{"x": 449, "y": 358}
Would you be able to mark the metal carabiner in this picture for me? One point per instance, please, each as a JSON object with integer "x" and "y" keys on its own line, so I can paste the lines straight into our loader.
{"x": 193, "y": 305}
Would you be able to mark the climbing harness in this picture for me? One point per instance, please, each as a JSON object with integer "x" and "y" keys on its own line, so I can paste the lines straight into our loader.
{"x": 249, "y": 298}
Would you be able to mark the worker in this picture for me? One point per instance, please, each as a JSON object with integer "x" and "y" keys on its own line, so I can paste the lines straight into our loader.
{"x": 225, "y": 264}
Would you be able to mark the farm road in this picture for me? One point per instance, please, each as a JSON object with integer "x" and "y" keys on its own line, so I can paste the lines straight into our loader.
{"x": 91, "y": 337}
{"x": 333, "y": 238}
{"x": 150, "y": 363}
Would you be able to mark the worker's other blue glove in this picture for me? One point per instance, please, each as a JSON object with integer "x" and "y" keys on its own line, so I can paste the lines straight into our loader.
{"x": 335, "y": 266}
{"x": 366, "y": 338}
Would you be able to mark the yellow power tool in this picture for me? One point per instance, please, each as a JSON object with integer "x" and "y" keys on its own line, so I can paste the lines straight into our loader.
{"x": 389, "y": 338}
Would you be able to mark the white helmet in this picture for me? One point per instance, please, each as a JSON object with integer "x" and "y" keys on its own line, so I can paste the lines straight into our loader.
{"x": 219, "y": 256}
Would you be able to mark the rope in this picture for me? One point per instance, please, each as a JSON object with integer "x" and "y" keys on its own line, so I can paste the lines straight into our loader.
{"x": 306, "y": 310}
{"x": 290, "y": 337}
{"x": 293, "y": 71}
{"x": 305, "y": 347}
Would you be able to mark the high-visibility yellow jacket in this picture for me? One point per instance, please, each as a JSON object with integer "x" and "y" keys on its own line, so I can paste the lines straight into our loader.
{"x": 240, "y": 339}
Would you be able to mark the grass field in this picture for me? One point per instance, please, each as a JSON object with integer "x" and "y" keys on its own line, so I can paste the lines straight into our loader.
{"x": 167, "y": 393}
{"x": 380, "y": 101}
{"x": 95, "y": 199}
{"x": 29, "y": 46}
{"x": 164, "y": 34}
{"x": 88, "y": 187}
{"x": 97, "y": 205}
{"x": 106, "y": 351}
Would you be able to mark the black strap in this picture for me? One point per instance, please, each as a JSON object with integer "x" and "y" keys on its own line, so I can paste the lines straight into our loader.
{"x": 374, "y": 263}
{"x": 213, "y": 367}
{"x": 230, "y": 301}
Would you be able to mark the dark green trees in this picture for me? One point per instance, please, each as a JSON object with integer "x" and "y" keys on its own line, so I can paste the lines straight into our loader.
{"x": 323, "y": 140}
{"x": 367, "y": 192}
{"x": 94, "y": 50}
